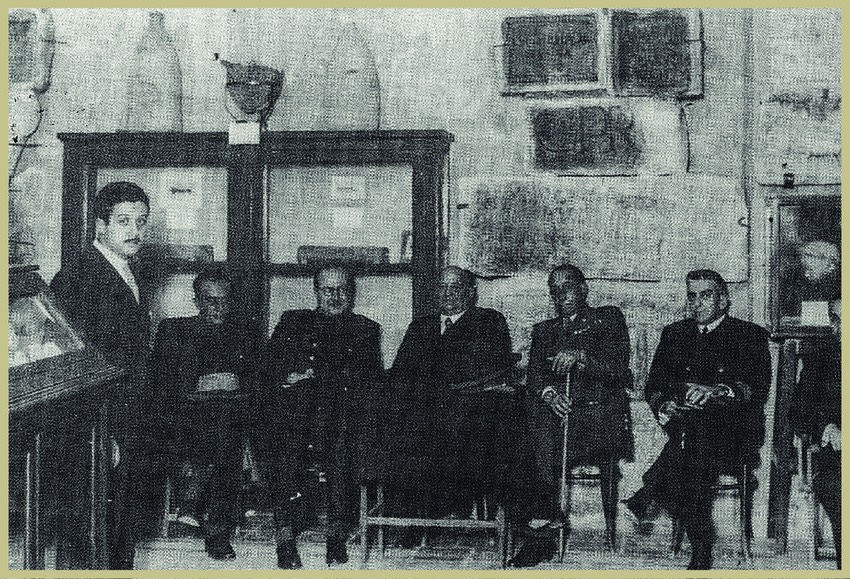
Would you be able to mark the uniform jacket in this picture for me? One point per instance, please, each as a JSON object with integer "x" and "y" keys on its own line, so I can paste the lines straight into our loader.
{"x": 599, "y": 422}
{"x": 735, "y": 353}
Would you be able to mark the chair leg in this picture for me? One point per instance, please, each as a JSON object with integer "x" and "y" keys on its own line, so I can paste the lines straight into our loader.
{"x": 746, "y": 548}
{"x": 364, "y": 524}
{"x": 380, "y": 499}
{"x": 502, "y": 532}
{"x": 678, "y": 535}
{"x": 166, "y": 509}
{"x": 816, "y": 528}
{"x": 608, "y": 488}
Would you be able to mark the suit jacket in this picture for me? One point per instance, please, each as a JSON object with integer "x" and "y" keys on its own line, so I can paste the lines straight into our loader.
{"x": 735, "y": 353}
{"x": 185, "y": 349}
{"x": 600, "y": 419}
{"x": 477, "y": 345}
{"x": 99, "y": 302}
{"x": 439, "y": 434}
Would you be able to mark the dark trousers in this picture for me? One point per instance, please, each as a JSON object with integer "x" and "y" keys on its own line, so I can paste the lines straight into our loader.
{"x": 314, "y": 440}
{"x": 209, "y": 455}
{"x": 680, "y": 481}
{"x": 826, "y": 484}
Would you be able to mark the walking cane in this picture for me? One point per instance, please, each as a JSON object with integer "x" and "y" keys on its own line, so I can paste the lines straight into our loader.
{"x": 565, "y": 489}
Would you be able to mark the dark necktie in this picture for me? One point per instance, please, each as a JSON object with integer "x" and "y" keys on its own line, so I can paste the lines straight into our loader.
{"x": 448, "y": 324}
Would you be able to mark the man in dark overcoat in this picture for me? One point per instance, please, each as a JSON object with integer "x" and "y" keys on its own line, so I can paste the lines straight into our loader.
{"x": 321, "y": 372}
{"x": 200, "y": 373}
{"x": 448, "y": 414}
{"x": 707, "y": 385}
{"x": 591, "y": 345}
{"x": 816, "y": 414}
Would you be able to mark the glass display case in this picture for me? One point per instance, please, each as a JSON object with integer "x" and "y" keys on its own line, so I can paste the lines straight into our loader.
{"x": 58, "y": 391}
{"x": 805, "y": 280}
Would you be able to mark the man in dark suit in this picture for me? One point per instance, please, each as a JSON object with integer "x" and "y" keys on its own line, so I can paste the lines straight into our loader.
{"x": 707, "y": 385}
{"x": 591, "y": 345}
{"x": 321, "y": 370}
{"x": 102, "y": 297}
{"x": 816, "y": 413}
{"x": 441, "y": 374}
{"x": 199, "y": 372}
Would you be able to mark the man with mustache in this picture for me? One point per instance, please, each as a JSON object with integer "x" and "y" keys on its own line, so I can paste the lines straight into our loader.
{"x": 590, "y": 345}
{"x": 102, "y": 297}
{"x": 707, "y": 385}
{"x": 320, "y": 372}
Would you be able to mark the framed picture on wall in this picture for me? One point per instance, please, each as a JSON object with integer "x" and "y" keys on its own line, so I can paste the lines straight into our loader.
{"x": 805, "y": 272}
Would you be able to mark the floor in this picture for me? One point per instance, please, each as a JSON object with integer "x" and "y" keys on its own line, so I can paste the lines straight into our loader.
{"x": 466, "y": 551}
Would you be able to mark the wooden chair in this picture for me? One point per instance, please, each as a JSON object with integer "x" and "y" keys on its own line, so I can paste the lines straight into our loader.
{"x": 583, "y": 475}
{"x": 806, "y": 467}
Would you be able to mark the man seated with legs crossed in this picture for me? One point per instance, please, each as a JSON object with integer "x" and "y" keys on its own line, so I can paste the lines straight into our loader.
{"x": 707, "y": 385}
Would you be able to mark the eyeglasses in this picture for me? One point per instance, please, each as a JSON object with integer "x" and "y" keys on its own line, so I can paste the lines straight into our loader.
{"x": 333, "y": 291}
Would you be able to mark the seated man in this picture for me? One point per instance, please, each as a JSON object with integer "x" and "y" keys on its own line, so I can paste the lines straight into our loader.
{"x": 707, "y": 385}
{"x": 816, "y": 412}
{"x": 198, "y": 368}
{"x": 442, "y": 372}
{"x": 321, "y": 368}
{"x": 591, "y": 345}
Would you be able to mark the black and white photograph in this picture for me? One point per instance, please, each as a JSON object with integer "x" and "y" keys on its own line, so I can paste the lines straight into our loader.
{"x": 424, "y": 289}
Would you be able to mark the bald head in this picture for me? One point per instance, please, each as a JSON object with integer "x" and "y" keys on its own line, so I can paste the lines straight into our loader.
{"x": 456, "y": 291}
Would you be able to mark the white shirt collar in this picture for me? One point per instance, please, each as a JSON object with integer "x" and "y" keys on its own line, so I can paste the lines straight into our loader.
{"x": 454, "y": 318}
{"x": 121, "y": 265}
{"x": 710, "y": 327}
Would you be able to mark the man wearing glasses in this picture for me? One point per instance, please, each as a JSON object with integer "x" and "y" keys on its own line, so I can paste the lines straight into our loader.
{"x": 321, "y": 368}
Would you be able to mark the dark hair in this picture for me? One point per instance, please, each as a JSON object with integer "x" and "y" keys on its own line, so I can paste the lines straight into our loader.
{"x": 114, "y": 193}
{"x": 211, "y": 275}
{"x": 574, "y": 276}
{"x": 574, "y": 273}
{"x": 710, "y": 275}
{"x": 349, "y": 277}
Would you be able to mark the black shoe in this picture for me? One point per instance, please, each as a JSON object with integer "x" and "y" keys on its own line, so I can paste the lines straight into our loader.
{"x": 701, "y": 557}
{"x": 534, "y": 551}
{"x": 335, "y": 550}
{"x": 219, "y": 547}
{"x": 287, "y": 555}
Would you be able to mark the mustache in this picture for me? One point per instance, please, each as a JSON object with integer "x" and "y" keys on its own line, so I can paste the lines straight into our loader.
{"x": 133, "y": 240}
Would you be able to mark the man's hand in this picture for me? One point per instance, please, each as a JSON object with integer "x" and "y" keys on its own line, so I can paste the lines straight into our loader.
{"x": 831, "y": 437}
{"x": 557, "y": 403}
{"x": 296, "y": 377}
{"x": 563, "y": 361}
{"x": 696, "y": 395}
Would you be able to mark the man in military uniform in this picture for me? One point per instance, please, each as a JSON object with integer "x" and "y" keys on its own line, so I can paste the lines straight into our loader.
{"x": 591, "y": 346}
{"x": 321, "y": 370}
{"x": 707, "y": 385}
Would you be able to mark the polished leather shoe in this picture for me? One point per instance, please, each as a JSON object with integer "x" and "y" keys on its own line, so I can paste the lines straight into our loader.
{"x": 335, "y": 550}
{"x": 534, "y": 551}
{"x": 287, "y": 555}
{"x": 219, "y": 547}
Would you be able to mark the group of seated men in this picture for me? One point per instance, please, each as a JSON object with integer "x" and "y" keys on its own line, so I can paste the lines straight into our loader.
{"x": 448, "y": 420}
{"x": 321, "y": 378}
